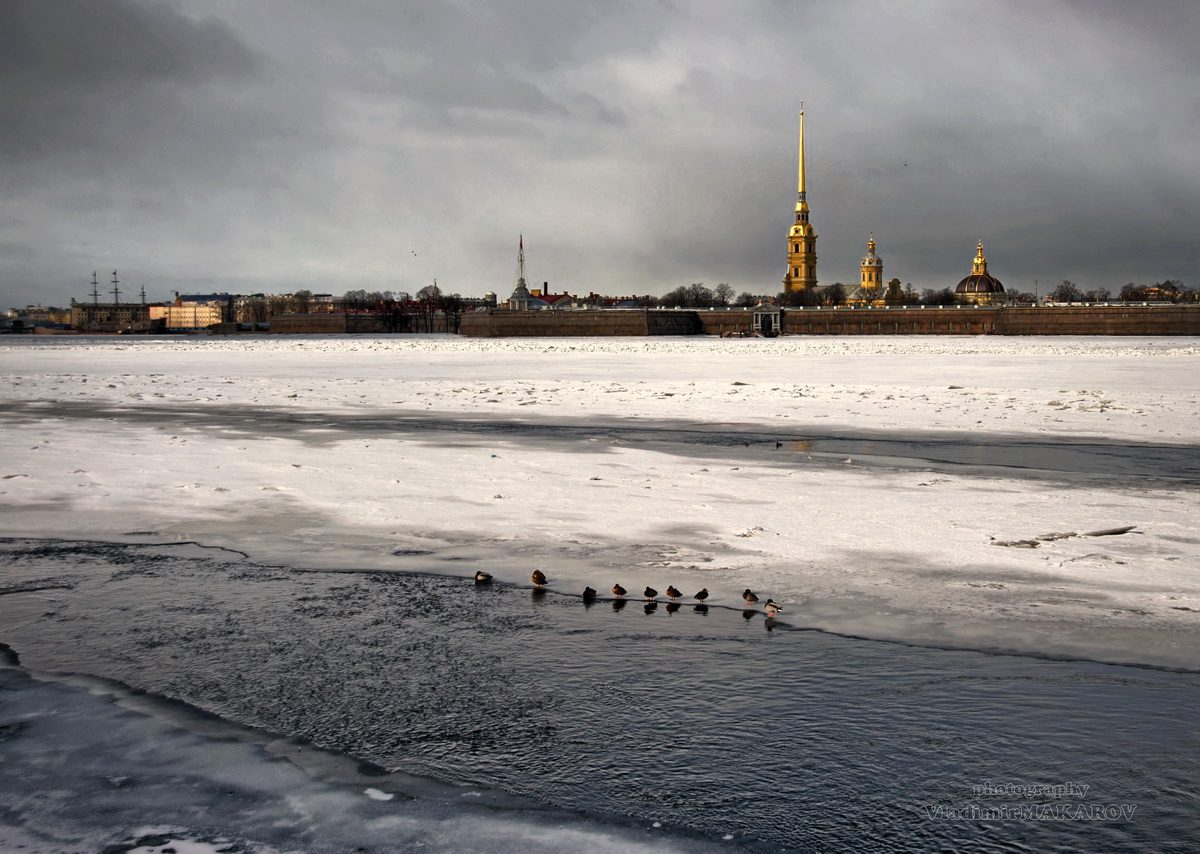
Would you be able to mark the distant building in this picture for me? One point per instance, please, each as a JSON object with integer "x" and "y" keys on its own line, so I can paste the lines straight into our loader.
{"x": 980, "y": 288}
{"x": 193, "y": 312}
{"x": 115, "y": 316}
{"x": 802, "y": 240}
{"x": 33, "y": 317}
{"x": 521, "y": 299}
{"x": 870, "y": 290}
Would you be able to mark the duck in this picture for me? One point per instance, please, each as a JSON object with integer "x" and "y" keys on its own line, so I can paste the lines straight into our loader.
{"x": 749, "y": 596}
{"x": 649, "y": 592}
{"x": 538, "y": 578}
{"x": 618, "y": 590}
{"x": 672, "y": 593}
{"x": 588, "y": 594}
{"x": 772, "y": 607}
{"x": 702, "y": 595}
{"x": 482, "y": 577}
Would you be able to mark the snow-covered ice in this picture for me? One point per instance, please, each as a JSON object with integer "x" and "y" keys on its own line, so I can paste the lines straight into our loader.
{"x": 441, "y": 454}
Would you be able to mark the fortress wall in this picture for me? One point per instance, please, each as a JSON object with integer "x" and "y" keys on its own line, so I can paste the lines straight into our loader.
{"x": 503, "y": 324}
{"x": 323, "y": 324}
{"x": 1022, "y": 320}
{"x": 984, "y": 320}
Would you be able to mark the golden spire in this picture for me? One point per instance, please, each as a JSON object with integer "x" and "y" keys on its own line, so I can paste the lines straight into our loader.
{"x": 802, "y": 250}
{"x": 979, "y": 268}
{"x": 800, "y": 180}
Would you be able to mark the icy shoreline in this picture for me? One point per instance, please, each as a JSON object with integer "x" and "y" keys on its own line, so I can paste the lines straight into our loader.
{"x": 110, "y": 769}
{"x": 856, "y": 548}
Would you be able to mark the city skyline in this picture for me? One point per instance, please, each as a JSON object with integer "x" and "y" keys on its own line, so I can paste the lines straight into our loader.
{"x": 270, "y": 147}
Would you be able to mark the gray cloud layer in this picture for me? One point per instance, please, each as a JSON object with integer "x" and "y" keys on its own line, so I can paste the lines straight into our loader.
{"x": 281, "y": 144}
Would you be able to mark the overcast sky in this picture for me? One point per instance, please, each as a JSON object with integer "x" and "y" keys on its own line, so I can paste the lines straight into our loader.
{"x": 274, "y": 145}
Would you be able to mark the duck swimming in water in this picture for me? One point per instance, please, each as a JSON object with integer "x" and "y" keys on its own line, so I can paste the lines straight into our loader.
{"x": 482, "y": 577}
{"x": 588, "y": 594}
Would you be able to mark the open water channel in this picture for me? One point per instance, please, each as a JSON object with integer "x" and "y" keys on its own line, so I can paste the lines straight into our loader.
{"x": 663, "y": 723}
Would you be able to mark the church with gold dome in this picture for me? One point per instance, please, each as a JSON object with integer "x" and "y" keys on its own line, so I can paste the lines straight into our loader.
{"x": 980, "y": 287}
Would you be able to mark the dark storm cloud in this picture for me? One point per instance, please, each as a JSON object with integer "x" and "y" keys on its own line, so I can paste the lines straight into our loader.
{"x": 64, "y": 62}
{"x": 134, "y": 136}
{"x": 301, "y": 143}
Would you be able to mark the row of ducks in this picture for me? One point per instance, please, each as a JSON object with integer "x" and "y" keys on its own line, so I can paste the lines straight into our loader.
{"x": 589, "y": 594}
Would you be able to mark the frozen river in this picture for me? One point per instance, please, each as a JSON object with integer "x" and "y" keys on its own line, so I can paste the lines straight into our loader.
{"x": 696, "y": 726}
{"x": 266, "y": 545}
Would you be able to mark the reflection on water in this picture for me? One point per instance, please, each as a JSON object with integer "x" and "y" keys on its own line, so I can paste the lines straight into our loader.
{"x": 698, "y": 719}
{"x": 1081, "y": 458}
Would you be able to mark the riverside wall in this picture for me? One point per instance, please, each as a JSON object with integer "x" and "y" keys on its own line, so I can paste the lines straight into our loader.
{"x": 963, "y": 320}
{"x": 600, "y": 322}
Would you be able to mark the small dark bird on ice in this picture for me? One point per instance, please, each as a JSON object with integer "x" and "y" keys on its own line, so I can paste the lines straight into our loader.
{"x": 619, "y": 591}
{"x": 749, "y": 596}
{"x": 702, "y": 595}
{"x": 538, "y": 578}
{"x": 649, "y": 592}
{"x": 482, "y": 577}
{"x": 672, "y": 593}
{"x": 588, "y": 594}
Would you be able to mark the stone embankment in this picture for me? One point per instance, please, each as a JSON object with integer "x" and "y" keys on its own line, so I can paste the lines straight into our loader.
{"x": 964, "y": 320}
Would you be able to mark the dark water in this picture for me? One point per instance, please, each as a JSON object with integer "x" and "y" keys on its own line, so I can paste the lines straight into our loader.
{"x": 1011, "y": 455}
{"x": 709, "y": 723}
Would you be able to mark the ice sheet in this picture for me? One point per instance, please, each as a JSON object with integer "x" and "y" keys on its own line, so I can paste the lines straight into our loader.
{"x": 292, "y": 450}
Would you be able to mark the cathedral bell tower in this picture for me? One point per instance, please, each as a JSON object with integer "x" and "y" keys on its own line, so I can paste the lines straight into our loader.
{"x": 871, "y": 268}
{"x": 802, "y": 241}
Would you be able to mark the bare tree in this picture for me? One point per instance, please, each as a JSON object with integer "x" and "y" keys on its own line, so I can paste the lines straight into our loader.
{"x": 428, "y": 299}
{"x": 1132, "y": 293}
{"x": 674, "y": 299}
{"x": 800, "y": 297}
{"x": 1067, "y": 292}
{"x": 256, "y": 309}
{"x": 698, "y": 296}
{"x": 943, "y": 297}
{"x": 452, "y": 309}
{"x": 354, "y": 300}
{"x": 835, "y": 294}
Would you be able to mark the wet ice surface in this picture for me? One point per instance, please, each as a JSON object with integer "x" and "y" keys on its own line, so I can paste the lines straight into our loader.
{"x": 867, "y": 483}
{"x": 82, "y": 774}
{"x": 706, "y": 724}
